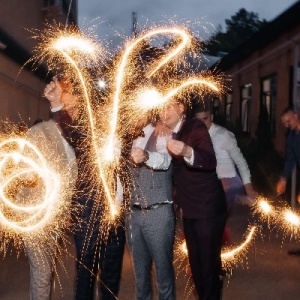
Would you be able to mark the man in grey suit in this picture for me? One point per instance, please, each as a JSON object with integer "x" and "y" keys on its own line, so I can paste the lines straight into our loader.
{"x": 150, "y": 224}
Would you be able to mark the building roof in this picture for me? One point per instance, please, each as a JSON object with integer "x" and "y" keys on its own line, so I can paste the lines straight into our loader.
{"x": 283, "y": 23}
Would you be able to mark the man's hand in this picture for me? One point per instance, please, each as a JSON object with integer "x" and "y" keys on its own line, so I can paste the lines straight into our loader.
{"x": 138, "y": 155}
{"x": 178, "y": 148}
{"x": 251, "y": 194}
{"x": 281, "y": 185}
{"x": 53, "y": 92}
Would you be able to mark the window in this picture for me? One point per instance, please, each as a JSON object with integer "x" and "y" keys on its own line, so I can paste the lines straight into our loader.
{"x": 294, "y": 91}
{"x": 228, "y": 108}
{"x": 269, "y": 100}
{"x": 246, "y": 94}
{"x": 48, "y": 3}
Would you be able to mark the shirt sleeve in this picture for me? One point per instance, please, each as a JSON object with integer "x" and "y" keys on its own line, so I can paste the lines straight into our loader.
{"x": 160, "y": 159}
{"x": 237, "y": 157}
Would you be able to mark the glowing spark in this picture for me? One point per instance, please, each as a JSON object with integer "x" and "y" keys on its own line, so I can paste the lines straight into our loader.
{"x": 231, "y": 254}
{"x": 125, "y": 59}
{"x": 66, "y": 45}
{"x": 291, "y": 218}
{"x": 101, "y": 84}
{"x": 150, "y": 99}
{"x": 26, "y": 216}
{"x": 265, "y": 207}
{"x": 74, "y": 43}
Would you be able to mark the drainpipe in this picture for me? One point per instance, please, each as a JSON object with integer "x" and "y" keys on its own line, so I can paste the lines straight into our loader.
{"x": 296, "y": 104}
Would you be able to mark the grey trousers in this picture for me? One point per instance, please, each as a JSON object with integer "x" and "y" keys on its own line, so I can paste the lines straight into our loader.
{"x": 41, "y": 260}
{"x": 150, "y": 237}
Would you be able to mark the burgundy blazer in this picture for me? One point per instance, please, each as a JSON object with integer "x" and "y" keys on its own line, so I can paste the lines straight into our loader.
{"x": 199, "y": 192}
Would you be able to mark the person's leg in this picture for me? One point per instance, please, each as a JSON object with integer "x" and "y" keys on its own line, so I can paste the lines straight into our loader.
{"x": 87, "y": 265}
{"x": 159, "y": 235}
{"x": 141, "y": 258}
{"x": 111, "y": 260}
{"x": 204, "y": 242}
{"x": 41, "y": 261}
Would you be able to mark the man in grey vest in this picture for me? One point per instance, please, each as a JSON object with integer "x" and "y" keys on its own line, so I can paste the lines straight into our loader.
{"x": 150, "y": 224}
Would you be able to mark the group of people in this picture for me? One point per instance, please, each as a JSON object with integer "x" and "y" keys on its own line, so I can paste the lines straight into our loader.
{"x": 189, "y": 164}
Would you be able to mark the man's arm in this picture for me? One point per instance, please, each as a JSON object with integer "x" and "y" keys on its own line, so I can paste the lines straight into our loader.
{"x": 159, "y": 160}
{"x": 237, "y": 157}
{"x": 200, "y": 154}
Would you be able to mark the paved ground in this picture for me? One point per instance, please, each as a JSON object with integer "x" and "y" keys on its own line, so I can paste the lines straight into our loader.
{"x": 266, "y": 273}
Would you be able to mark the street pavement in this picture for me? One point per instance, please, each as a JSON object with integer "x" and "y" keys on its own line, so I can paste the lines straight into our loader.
{"x": 265, "y": 273}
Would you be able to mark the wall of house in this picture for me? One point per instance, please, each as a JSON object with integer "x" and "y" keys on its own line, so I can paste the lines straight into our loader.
{"x": 275, "y": 58}
{"x": 21, "y": 89}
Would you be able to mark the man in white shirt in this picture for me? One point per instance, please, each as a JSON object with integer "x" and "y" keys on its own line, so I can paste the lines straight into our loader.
{"x": 229, "y": 159}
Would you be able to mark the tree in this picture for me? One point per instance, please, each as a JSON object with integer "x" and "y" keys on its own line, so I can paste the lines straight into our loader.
{"x": 240, "y": 27}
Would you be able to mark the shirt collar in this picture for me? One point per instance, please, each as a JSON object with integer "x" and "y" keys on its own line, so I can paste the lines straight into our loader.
{"x": 178, "y": 126}
{"x": 212, "y": 128}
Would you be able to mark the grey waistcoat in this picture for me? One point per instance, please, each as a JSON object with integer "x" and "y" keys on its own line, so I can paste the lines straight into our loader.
{"x": 151, "y": 186}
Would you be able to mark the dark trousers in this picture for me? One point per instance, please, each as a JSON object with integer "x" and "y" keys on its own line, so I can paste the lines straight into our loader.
{"x": 93, "y": 254}
{"x": 204, "y": 243}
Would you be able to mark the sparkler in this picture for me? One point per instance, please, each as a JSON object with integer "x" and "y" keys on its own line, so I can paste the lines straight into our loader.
{"x": 280, "y": 217}
{"x": 32, "y": 194}
{"x": 231, "y": 256}
{"x": 76, "y": 51}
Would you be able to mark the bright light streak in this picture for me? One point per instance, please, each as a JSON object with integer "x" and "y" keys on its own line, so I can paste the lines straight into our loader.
{"x": 291, "y": 218}
{"x": 236, "y": 251}
{"x": 74, "y": 43}
{"x": 149, "y": 99}
{"x": 121, "y": 71}
{"x": 230, "y": 256}
{"x": 24, "y": 216}
{"x": 64, "y": 45}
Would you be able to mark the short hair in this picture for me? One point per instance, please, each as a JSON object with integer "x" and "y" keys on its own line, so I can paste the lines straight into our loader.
{"x": 287, "y": 110}
{"x": 201, "y": 104}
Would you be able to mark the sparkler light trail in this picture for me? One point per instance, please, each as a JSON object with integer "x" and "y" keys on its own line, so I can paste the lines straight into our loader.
{"x": 231, "y": 256}
{"x": 32, "y": 194}
{"x": 133, "y": 47}
{"x": 79, "y": 51}
{"x": 76, "y": 50}
{"x": 280, "y": 217}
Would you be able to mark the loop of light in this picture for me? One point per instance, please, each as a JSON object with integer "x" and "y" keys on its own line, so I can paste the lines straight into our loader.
{"x": 37, "y": 215}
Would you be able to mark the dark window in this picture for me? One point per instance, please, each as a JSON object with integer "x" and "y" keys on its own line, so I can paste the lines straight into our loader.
{"x": 228, "y": 108}
{"x": 47, "y": 3}
{"x": 269, "y": 100}
{"x": 246, "y": 95}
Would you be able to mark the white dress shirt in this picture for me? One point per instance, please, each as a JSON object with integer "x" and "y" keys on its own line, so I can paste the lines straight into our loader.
{"x": 160, "y": 159}
{"x": 228, "y": 154}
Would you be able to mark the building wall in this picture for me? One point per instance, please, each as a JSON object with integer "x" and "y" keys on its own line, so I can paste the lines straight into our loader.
{"x": 21, "y": 89}
{"x": 275, "y": 58}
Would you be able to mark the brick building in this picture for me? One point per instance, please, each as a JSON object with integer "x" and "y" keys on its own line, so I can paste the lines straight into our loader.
{"x": 265, "y": 72}
{"x": 21, "y": 88}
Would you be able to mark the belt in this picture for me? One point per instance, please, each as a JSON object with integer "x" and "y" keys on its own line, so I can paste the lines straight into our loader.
{"x": 152, "y": 206}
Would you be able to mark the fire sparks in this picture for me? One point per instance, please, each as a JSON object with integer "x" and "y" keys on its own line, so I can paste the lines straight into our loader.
{"x": 33, "y": 195}
{"x": 231, "y": 256}
{"x": 279, "y": 216}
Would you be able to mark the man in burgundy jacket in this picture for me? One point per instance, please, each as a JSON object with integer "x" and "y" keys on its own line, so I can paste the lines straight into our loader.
{"x": 201, "y": 197}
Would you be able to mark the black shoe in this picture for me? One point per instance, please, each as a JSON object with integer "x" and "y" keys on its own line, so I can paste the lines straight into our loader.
{"x": 295, "y": 252}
